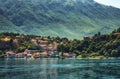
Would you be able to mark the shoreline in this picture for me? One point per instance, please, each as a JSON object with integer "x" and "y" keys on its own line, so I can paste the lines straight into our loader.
{"x": 64, "y": 58}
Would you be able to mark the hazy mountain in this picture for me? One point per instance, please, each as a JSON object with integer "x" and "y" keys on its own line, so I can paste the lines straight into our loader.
{"x": 70, "y": 18}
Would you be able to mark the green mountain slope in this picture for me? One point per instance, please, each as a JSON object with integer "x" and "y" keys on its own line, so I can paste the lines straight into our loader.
{"x": 65, "y": 18}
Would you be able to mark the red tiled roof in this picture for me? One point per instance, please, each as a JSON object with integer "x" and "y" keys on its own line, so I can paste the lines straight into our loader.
{"x": 117, "y": 33}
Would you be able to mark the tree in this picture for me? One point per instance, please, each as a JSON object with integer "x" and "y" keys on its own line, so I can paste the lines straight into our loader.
{"x": 11, "y": 43}
{"x": 20, "y": 49}
{"x": 118, "y": 30}
{"x": 114, "y": 31}
{"x": 60, "y": 48}
{"x": 99, "y": 33}
{"x": 1, "y": 54}
{"x": 114, "y": 53}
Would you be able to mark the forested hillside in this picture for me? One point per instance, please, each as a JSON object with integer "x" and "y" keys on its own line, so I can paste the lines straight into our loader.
{"x": 64, "y": 18}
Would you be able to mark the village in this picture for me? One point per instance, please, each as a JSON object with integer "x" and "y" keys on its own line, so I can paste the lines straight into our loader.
{"x": 28, "y": 46}
{"x": 47, "y": 50}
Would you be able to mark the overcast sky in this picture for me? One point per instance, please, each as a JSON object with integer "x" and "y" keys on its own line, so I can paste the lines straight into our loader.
{"x": 115, "y": 3}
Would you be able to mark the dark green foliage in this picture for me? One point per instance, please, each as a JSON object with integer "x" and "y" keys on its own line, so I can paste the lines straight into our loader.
{"x": 1, "y": 54}
{"x": 99, "y": 45}
{"x": 116, "y": 30}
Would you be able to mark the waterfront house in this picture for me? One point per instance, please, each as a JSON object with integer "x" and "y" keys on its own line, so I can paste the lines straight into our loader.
{"x": 36, "y": 55}
{"x": 10, "y": 54}
{"x": 29, "y": 55}
{"x": 29, "y": 51}
{"x": 69, "y": 55}
{"x": 20, "y": 55}
{"x": 54, "y": 54}
{"x": 44, "y": 54}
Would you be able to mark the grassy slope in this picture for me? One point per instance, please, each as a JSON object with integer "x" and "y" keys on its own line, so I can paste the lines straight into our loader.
{"x": 57, "y": 21}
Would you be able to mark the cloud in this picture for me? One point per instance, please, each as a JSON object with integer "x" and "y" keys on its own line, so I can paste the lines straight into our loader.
{"x": 115, "y": 3}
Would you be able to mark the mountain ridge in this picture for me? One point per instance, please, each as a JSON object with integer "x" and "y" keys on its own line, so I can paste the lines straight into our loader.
{"x": 55, "y": 18}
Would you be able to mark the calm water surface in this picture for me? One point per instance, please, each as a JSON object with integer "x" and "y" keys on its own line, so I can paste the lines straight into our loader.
{"x": 59, "y": 69}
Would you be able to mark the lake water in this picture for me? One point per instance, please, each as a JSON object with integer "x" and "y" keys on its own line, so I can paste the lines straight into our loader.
{"x": 60, "y": 69}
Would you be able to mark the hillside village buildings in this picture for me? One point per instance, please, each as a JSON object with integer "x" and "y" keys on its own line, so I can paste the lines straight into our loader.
{"x": 47, "y": 51}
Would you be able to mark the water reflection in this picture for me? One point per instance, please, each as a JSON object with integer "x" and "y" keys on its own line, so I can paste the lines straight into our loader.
{"x": 59, "y": 69}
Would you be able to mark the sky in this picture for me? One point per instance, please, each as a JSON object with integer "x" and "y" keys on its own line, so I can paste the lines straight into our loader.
{"x": 115, "y": 3}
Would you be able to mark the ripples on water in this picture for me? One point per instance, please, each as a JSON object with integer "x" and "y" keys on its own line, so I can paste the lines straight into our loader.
{"x": 59, "y": 69}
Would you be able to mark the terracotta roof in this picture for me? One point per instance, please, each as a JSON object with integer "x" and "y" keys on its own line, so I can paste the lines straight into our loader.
{"x": 10, "y": 52}
{"x": 43, "y": 53}
{"x": 29, "y": 54}
{"x": 117, "y": 33}
{"x": 67, "y": 54}
{"x": 25, "y": 53}
{"x": 6, "y": 39}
